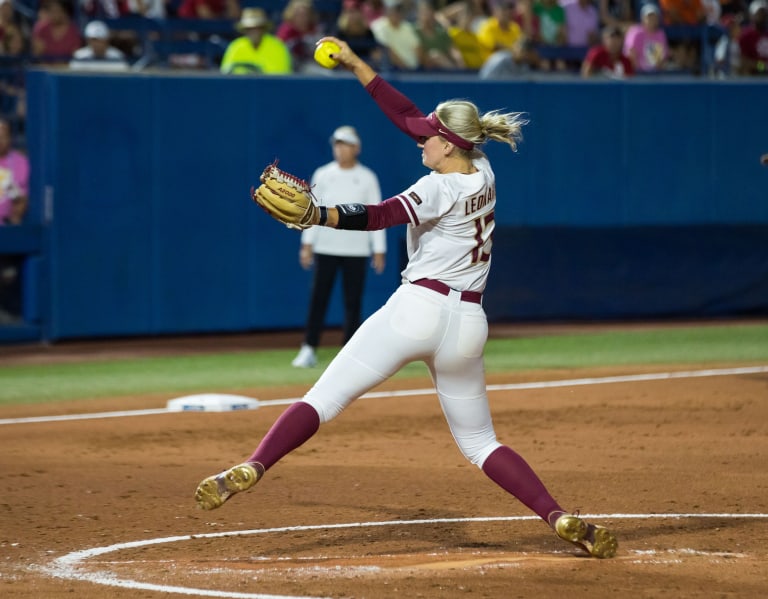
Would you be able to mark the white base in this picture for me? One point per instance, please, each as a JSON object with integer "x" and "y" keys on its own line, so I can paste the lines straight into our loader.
{"x": 212, "y": 402}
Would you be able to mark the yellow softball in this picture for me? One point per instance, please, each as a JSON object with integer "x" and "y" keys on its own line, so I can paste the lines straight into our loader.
{"x": 323, "y": 53}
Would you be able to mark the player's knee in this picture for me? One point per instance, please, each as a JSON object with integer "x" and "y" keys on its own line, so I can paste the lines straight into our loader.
{"x": 326, "y": 408}
{"x": 477, "y": 453}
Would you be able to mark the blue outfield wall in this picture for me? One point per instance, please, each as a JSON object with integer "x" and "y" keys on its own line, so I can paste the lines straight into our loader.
{"x": 561, "y": 273}
{"x": 626, "y": 200}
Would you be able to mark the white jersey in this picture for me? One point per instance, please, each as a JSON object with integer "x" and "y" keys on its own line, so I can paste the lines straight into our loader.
{"x": 452, "y": 222}
{"x": 334, "y": 185}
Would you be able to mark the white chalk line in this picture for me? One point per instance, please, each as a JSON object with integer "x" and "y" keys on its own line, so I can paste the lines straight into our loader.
{"x": 629, "y": 378}
{"x": 93, "y": 416}
{"x": 67, "y": 566}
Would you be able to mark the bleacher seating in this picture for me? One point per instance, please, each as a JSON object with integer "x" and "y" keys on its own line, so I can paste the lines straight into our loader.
{"x": 569, "y": 54}
{"x": 160, "y": 39}
{"x": 707, "y": 35}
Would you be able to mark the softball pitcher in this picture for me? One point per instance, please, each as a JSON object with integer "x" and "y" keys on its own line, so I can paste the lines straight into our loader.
{"x": 435, "y": 316}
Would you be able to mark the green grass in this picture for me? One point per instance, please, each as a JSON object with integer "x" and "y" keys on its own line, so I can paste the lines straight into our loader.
{"x": 230, "y": 372}
{"x": 692, "y": 345}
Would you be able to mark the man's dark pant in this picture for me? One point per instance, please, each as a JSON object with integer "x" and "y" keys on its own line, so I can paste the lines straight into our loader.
{"x": 353, "y": 271}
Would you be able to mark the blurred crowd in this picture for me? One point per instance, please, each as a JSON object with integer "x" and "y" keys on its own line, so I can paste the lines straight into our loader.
{"x": 489, "y": 39}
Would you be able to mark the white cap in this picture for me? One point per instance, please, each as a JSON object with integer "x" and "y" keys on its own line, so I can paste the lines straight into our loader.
{"x": 649, "y": 8}
{"x": 252, "y": 18}
{"x": 757, "y": 5}
{"x": 97, "y": 30}
{"x": 346, "y": 134}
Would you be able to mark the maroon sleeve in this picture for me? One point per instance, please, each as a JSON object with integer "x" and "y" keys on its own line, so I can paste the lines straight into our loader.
{"x": 389, "y": 213}
{"x": 393, "y": 104}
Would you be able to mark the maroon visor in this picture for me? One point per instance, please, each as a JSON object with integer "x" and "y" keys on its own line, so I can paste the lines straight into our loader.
{"x": 430, "y": 125}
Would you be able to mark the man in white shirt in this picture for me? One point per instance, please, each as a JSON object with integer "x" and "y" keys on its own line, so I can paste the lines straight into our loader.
{"x": 332, "y": 250}
{"x": 98, "y": 55}
{"x": 398, "y": 35}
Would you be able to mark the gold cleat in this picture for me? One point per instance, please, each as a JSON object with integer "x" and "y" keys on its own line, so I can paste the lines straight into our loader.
{"x": 597, "y": 540}
{"x": 215, "y": 490}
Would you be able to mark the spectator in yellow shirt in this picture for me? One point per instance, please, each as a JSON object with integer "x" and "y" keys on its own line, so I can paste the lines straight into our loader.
{"x": 257, "y": 51}
{"x": 501, "y": 32}
{"x": 511, "y": 52}
{"x": 456, "y": 18}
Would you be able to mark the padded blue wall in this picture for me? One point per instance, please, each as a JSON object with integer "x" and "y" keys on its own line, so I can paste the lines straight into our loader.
{"x": 142, "y": 184}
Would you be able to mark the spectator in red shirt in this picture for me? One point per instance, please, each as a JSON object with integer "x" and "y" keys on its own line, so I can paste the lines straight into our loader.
{"x": 528, "y": 20}
{"x": 299, "y": 30}
{"x": 608, "y": 59}
{"x": 209, "y": 9}
{"x": 55, "y": 37}
{"x": 372, "y": 10}
{"x": 754, "y": 40}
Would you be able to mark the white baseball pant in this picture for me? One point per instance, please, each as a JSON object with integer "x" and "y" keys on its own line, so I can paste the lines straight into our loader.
{"x": 416, "y": 323}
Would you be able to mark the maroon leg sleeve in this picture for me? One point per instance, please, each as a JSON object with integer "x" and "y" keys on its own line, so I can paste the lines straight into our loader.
{"x": 294, "y": 427}
{"x": 513, "y": 474}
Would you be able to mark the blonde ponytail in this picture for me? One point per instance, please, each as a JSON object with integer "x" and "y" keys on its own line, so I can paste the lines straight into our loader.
{"x": 464, "y": 119}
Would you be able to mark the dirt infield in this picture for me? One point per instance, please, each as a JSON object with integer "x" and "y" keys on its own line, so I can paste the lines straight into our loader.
{"x": 381, "y": 504}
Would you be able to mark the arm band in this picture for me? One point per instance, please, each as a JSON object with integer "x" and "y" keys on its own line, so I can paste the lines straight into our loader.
{"x": 352, "y": 217}
{"x": 323, "y": 215}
